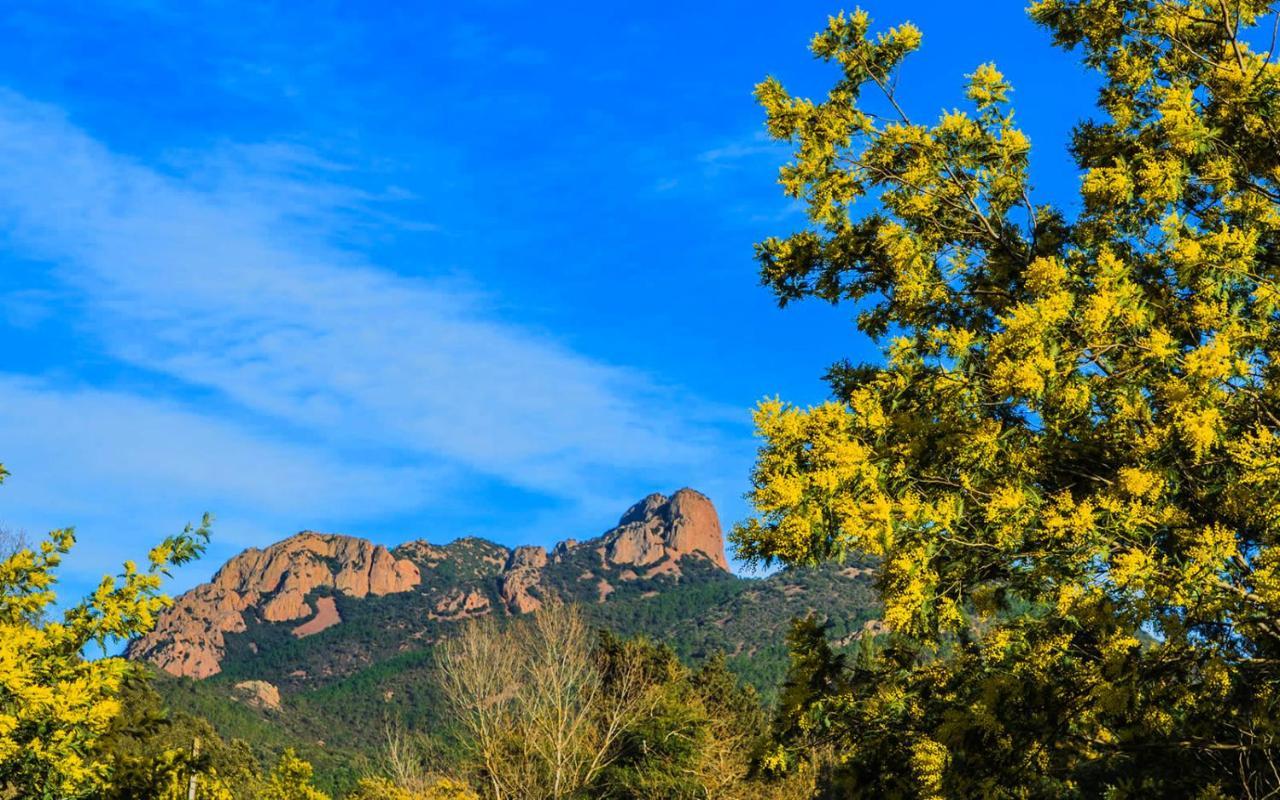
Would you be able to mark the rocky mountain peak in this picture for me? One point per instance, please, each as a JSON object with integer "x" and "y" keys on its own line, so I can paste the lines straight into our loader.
{"x": 644, "y": 509}
{"x": 657, "y": 527}
{"x": 300, "y": 581}
{"x": 529, "y": 555}
{"x": 189, "y": 637}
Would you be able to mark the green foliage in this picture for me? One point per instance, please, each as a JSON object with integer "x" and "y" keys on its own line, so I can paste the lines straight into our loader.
{"x": 71, "y": 727}
{"x": 656, "y": 756}
{"x": 378, "y": 666}
{"x": 291, "y": 780}
{"x": 545, "y": 713}
{"x": 700, "y": 737}
{"x": 150, "y": 752}
{"x": 55, "y": 705}
{"x": 1068, "y": 462}
{"x": 437, "y": 789}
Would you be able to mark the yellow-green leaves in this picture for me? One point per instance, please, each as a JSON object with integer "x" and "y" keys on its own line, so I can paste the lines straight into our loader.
{"x": 54, "y": 704}
{"x": 1181, "y": 119}
{"x": 816, "y": 485}
{"x": 291, "y": 780}
{"x": 987, "y": 87}
{"x": 1067, "y": 457}
{"x": 437, "y": 789}
{"x": 928, "y": 761}
{"x": 845, "y": 40}
{"x": 1106, "y": 189}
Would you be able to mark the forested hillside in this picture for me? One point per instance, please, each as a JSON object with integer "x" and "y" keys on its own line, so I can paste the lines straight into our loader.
{"x": 323, "y": 691}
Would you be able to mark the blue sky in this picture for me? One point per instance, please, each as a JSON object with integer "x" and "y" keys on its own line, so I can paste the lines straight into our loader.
{"x": 415, "y": 270}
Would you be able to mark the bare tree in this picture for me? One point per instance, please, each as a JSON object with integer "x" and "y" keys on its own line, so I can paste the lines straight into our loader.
{"x": 479, "y": 673}
{"x": 402, "y": 757}
{"x": 541, "y": 715}
{"x": 12, "y": 541}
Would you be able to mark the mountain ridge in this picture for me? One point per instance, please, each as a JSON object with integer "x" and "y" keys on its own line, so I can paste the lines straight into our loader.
{"x": 305, "y": 578}
{"x": 360, "y": 646}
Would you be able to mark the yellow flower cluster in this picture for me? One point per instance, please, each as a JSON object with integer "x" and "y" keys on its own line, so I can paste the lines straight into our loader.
{"x": 1067, "y": 461}
{"x": 54, "y": 703}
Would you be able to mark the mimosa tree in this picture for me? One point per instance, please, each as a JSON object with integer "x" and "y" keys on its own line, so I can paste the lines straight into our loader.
{"x": 1068, "y": 458}
{"x": 55, "y": 704}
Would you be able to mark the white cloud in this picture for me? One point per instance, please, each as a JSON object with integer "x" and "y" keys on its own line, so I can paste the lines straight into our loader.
{"x": 228, "y": 281}
{"x": 127, "y": 471}
{"x": 86, "y": 451}
{"x": 732, "y": 154}
{"x": 287, "y": 382}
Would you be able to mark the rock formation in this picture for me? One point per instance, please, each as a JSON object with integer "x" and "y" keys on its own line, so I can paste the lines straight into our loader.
{"x": 258, "y": 694}
{"x": 657, "y": 527}
{"x": 189, "y": 637}
{"x": 562, "y": 549}
{"x": 457, "y": 604}
{"x": 297, "y": 581}
{"x": 523, "y": 573}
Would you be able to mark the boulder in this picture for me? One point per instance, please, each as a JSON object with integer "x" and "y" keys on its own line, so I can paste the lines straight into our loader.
{"x": 258, "y": 694}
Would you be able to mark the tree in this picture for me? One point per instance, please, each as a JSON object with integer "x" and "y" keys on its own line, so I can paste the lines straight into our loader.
{"x": 658, "y": 754}
{"x": 539, "y": 712}
{"x": 550, "y": 709}
{"x": 438, "y": 788}
{"x": 55, "y": 705}
{"x": 406, "y": 773}
{"x": 290, "y": 779}
{"x": 699, "y": 739}
{"x": 152, "y": 753}
{"x": 1068, "y": 462}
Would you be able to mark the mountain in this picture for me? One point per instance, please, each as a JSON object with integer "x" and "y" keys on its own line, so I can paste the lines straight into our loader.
{"x": 304, "y": 584}
{"x": 308, "y": 641}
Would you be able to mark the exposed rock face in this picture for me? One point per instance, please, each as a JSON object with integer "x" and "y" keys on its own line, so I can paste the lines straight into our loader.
{"x": 296, "y": 581}
{"x": 643, "y": 510}
{"x": 527, "y": 556}
{"x": 189, "y": 637}
{"x": 458, "y": 604}
{"x": 523, "y": 573}
{"x": 258, "y": 694}
{"x": 326, "y": 617}
{"x": 657, "y": 527}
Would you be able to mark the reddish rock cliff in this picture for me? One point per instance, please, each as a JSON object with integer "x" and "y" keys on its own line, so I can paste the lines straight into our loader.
{"x": 522, "y": 575}
{"x": 189, "y": 637}
{"x": 278, "y": 584}
{"x": 657, "y": 527}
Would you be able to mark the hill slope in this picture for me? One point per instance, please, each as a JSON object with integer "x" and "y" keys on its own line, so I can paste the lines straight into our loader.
{"x": 318, "y": 640}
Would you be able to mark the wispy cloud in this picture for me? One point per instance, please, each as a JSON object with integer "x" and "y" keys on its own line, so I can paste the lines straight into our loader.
{"x": 77, "y": 463}
{"x": 127, "y": 470}
{"x": 733, "y": 154}
{"x": 222, "y": 278}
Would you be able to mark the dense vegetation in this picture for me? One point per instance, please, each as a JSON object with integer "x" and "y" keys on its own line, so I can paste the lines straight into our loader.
{"x": 542, "y": 705}
{"x": 1073, "y": 438}
{"x": 375, "y": 670}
